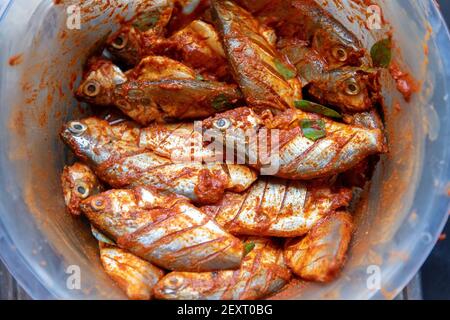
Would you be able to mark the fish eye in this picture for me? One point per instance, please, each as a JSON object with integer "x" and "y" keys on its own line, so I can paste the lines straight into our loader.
{"x": 98, "y": 204}
{"x": 222, "y": 124}
{"x": 174, "y": 283}
{"x": 77, "y": 128}
{"x": 82, "y": 190}
{"x": 91, "y": 89}
{"x": 120, "y": 42}
{"x": 340, "y": 53}
{"x": 352, "y": 88}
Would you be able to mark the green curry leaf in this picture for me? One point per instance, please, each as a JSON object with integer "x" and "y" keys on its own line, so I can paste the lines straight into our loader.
{"x": 313, "y": 129}
{"x": 221, "y": 102}
{"x": 381, "y": 53}
{"x": 146, "y": 21}
{"x": 284, "y": 70}
{"x": 249, "y": 246}
{"x": 309, "y": 106}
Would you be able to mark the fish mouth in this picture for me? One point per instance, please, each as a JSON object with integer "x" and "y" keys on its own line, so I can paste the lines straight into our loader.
{"x": 66, "y": 135}
{"x": 69, "y": 138}
{"x": 79, "y": 92}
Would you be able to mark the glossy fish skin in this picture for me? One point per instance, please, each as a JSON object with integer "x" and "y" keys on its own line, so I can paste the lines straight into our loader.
{"x": 264, "y": 76}
{"x": 132, "y": 43}
{"x": 78, "y": 183}
{"x": 183, "y": 142}
{"x": 320, "y": 255}
{"x": 351, "y": 89}
{"x": 329, "y": 35}
{"x": 263, "y": 272}
{"x": 309, "y": 64}
{"x": 299, "y": 157}
{"x": 116, "y": 156}
{"x": 135, "y": 276}
{"x": 275, "y": 207}
{"x": 146, "y": 101}
{"x": 308, "y": 21}
{"x": 164, "y": 229}
{"x": 370, "y": 119}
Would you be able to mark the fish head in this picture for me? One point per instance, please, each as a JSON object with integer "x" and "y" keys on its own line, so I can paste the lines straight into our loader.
{"x": 99, "y": 83}
{"x": 115, "y": 212}
{"x": 231, "y": 130}
{"x": 78, "y": 182}
{"x": 180, "y": 285}
{"x": 88, "y": 139}
{"x": 338, "y": 46}
{"x": 126, "y": 45}
{"x": 101, "y": 212}
{"x": 239, "y": 119}
{"x": 349, "y": 89}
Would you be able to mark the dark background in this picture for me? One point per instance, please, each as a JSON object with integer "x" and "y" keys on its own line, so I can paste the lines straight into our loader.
{"x": 435, "y": 273}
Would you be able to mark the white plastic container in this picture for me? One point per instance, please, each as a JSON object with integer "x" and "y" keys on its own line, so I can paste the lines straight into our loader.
{"x": 40, "y": 64}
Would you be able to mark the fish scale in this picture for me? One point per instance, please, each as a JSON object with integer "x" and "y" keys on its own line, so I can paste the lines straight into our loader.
{"x": 158, "y": 226}
{"x": 300, "y": 158}
{"x": 135, "y": 276}
{"x": 277, "y": 207}
{"x": 320, "y": 255}
{"x": 124, "y": 162}
{"x": 262, "y": 273}
{"x": 254, "y": 61}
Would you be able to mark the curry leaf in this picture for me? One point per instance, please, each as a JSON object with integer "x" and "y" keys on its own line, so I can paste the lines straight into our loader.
{"x": 146, "y": 21}
{"x": 309, "y": 106}
{"x": 284, "y": 70}
{"x": 221, "y": 102}
{"x": 249, "y": 246}
{"x": 381, "y": 53}
{"x": 313, "y": 129}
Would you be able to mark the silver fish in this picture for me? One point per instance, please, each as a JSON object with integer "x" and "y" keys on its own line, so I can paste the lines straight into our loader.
{"x": 183, "y": 142}
{"x": 351, "y": 89}
{"x": 136, "y": 277}
{"x": 263, "y": 272}
{"x": 264, "y": 76}
{"x": 162, "y": 99}
{"x": 143, "y": 35}
{"x": 370, "y": 119}
{"x": 164, "y": 229}
{"x": 277, "y": 207}
{"x": 308, "y": 21}
{"x": 116, "y": 156}
{"x": 320, "y": 255}
{"x": 297, "y": 157}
